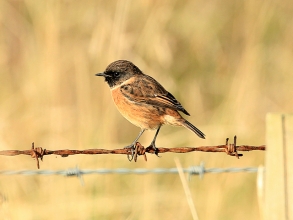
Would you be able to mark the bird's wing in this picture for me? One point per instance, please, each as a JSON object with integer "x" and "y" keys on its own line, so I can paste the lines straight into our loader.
{"x": 148, "y": 91}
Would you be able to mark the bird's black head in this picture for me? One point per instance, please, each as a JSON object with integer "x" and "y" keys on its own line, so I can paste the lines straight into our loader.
{"x": 119, "y": 71}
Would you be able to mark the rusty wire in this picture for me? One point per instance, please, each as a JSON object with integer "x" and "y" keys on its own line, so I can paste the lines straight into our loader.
{"x": 230, "y": 149}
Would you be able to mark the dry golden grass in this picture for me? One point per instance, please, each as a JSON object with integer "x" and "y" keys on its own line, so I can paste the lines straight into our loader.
{"x": 228, "y": 62}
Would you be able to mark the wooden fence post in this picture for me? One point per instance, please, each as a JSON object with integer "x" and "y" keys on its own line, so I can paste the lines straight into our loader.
{"x": 278, "y": 185}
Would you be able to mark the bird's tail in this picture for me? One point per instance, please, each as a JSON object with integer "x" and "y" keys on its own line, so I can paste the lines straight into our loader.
{"x": 194, "y": 129}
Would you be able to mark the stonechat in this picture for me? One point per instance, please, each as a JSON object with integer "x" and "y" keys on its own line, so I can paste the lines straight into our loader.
{"x": 143, "y": 101}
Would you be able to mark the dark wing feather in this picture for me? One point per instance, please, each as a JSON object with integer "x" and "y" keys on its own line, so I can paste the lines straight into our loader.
{"x": 170, "y": 99}
{"x": 147, "y": 90}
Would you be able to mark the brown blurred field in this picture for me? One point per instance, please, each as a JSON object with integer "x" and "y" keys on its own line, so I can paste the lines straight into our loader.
{"x": 228, "y": 62}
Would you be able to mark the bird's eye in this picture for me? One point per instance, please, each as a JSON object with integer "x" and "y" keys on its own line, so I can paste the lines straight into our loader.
{"x": 116, "y": 74}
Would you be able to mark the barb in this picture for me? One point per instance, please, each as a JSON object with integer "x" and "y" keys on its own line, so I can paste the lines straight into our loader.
{"x": 230, "y": 149}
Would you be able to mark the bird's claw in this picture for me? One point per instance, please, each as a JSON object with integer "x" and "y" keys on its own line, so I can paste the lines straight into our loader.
{"x": 153, "y": 145}
{"x": 132, "y": 149}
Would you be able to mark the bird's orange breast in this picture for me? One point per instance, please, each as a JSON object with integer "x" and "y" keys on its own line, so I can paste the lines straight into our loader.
{"x": 142, "y": 115}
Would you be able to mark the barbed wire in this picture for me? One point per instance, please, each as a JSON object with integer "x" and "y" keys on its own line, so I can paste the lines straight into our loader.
{"x": 39, "y": 153}
{"x": 192, "y": 170}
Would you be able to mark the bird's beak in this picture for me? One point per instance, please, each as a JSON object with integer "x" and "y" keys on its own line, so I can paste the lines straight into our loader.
{"x": 101, "y": 74}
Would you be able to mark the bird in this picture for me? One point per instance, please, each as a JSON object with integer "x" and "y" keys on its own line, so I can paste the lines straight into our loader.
{"x": 144, "y": 101}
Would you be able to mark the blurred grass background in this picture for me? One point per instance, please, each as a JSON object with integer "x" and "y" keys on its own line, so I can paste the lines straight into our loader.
{"x": 227, "y": 62}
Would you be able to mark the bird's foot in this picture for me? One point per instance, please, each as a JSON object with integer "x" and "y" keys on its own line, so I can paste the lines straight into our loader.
{"x": 153, "y": 145}
{"x": 132, "y": 149}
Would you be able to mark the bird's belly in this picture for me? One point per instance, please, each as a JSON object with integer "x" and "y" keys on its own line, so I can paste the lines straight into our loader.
{"x": 142, "y": 115}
